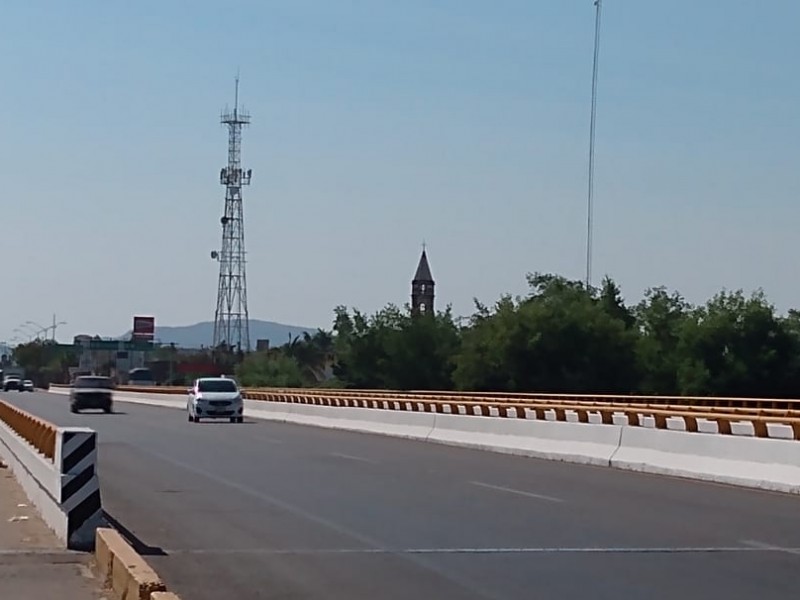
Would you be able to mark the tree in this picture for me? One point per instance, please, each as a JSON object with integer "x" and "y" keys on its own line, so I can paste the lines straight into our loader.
{"x": 395, "y": 349}
{"x": 44, "y": 361}
{"x": 614, "y": 305}
{"x": 661, "y": 318}
{"x": 269, "y": 369}
{"x": 313, "y": 353}
{"x": 561, "y": 338}
{"x": 737, "y": 346}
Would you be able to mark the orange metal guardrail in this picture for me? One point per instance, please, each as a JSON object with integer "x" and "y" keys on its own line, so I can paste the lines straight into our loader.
{"x": 710, "y": 401}
{"x": 706, "y": 401}
{"x": 364, "y": 401}
{"x": 37, "y": 432}
{"x": 633, "y": 415}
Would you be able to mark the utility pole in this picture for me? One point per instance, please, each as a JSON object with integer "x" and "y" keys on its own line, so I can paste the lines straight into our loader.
{"x": 590, "y": 203}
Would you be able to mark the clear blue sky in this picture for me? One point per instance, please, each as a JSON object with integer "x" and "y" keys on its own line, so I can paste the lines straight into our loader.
{"x": 377, "y": 124}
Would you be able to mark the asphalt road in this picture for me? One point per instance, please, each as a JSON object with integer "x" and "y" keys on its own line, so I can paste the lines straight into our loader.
{"x": 270, "y": 510}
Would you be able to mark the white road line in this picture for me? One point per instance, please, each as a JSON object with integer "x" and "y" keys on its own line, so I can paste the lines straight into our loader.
{"x": 508, "y": 490}
{"x": 755, "y": 544}
{"x": 351, "y": 457}
{"x": 542, "y": 550}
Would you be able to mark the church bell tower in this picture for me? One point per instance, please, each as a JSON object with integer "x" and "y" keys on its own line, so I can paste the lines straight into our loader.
{"x": 422, "y": 287}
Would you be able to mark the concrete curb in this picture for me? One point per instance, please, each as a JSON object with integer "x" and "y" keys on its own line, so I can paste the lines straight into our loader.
{"x": 124, "y": 572}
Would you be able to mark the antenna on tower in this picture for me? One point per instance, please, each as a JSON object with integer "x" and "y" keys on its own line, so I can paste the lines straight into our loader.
{"x": 236, "y": 95}
{"x": 231, "y": 319}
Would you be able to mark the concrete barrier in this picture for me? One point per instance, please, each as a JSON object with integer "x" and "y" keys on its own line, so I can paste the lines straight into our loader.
{"x": 122, "y": 570}
{"x": 571, "y": 442}
{"x": 65, "y": 489}
{"x": 411, "y": 425}
{"x": 769, "y": 464}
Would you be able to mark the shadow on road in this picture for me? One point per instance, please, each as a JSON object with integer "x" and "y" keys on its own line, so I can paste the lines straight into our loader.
{"x": 225, "y": 422}
{"x": 140, "y": 546}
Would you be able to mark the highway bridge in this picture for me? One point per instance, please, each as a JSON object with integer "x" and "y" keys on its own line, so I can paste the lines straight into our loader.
{"x": 279, "y": 510}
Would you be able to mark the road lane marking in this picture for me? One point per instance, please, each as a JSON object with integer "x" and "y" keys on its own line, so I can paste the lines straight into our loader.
{"x": 309, "y": 516}
{"x": 755, "y": 544}
{"x": 508, "y": 490}
{"x": 533, "y": 550}
{"x": 351, "y": 457}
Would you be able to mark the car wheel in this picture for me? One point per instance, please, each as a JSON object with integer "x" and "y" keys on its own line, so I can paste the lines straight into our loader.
{"x": 73, "y": 409}
{"x": 107, "y": 410}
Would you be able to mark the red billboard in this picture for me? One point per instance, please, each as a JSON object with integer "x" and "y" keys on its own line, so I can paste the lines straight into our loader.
{"x": 144, "y": 328}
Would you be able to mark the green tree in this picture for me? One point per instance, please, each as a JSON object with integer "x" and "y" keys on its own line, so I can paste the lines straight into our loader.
{"x": 45, "y": 362}
{"x": 269, "y": 369}
{"x": 737, "y": 346}
{"x": 561, "y": 338}
{"x": 614, "y": 305}
{"x": 313, "y": 353}
{"x": 395, "y": 349}
{"x": 661, "y": 318}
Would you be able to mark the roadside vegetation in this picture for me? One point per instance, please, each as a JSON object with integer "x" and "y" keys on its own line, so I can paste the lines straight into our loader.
{"x": 559, "y": 337}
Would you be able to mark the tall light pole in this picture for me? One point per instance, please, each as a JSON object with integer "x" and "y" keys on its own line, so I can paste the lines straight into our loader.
{"x": 48, "y": 328}
{"x": 32, "y": 331}
{"x": 40, "y": 327}
{"x": 590, "y": 204}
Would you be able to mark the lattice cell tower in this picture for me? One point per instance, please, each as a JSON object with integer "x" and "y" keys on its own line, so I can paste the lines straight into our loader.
{"x": 231, "y": 319}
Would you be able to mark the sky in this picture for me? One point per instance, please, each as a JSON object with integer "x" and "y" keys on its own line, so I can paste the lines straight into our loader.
{"x": 378, "y": 124}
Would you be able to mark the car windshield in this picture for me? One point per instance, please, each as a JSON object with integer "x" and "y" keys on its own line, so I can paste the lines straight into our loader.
{"x": 93, "y": 382}
{"x": 216, "y": 385}
{"x": 140, "y": 375}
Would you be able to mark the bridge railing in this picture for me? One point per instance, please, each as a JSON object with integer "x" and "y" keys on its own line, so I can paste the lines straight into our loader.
{"x": 711, "y": 402}
{"x": 707, "y": 401}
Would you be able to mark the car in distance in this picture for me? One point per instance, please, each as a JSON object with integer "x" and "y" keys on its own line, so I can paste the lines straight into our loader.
{"x": 27, "y": 386}
{"x": 215, "y": 398}
{"x": 11, "y": 382}
{"x": 91, "y": 391}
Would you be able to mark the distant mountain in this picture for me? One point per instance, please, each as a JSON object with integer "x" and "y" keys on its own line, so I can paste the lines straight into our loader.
{"x": 201, "y": 334}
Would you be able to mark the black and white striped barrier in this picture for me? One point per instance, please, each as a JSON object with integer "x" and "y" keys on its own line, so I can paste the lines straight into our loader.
{"x": 76, "y": 457}
{"x": 65, "y": 490}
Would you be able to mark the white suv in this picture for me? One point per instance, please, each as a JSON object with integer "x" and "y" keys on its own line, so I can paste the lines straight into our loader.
{"x": 215, "y": 398}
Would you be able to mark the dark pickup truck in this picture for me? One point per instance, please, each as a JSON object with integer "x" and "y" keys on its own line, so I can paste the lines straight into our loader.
{"x": 91, "y": 392}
